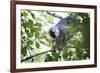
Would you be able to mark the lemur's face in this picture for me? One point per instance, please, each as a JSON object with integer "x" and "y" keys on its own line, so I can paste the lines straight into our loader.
{"x": 54, "y": 31}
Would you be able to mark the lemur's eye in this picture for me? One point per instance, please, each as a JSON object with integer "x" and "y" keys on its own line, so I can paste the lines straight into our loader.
{"x": 52, "y": 34}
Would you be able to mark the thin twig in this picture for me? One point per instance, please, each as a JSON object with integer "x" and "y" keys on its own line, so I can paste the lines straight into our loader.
{"x": 35, "y": 55}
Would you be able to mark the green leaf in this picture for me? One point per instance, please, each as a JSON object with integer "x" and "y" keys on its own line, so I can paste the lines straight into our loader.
{"x": 24, "y": 51}
{"x": 29, "y": 34}
{"x": 42, "y": 42}
{"x": 30, "y": 21}
{"x": 33, "y": 29}
{"x": 65, "y": 53}
{"x": 37, "y": 45}
{"x": 38, "y": 24}
{"x": 56, "y": 55}
{"x": 37, "y": 34}
{"x": 70, "y": 54}
{"x": 30, "y": 42}
{"x": 49, "y": 58}
{"x": 24, "y": 14}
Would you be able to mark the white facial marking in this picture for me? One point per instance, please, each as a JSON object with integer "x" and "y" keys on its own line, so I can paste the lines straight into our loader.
{"x": 56, "y": 30}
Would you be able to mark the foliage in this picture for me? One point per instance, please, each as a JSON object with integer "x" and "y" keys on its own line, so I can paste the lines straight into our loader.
{"x": 35, "y": 39}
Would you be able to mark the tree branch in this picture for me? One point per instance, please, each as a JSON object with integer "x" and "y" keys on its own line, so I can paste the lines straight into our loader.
{"x": 36, "y": 55}
{"x": 53, "y": 14}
